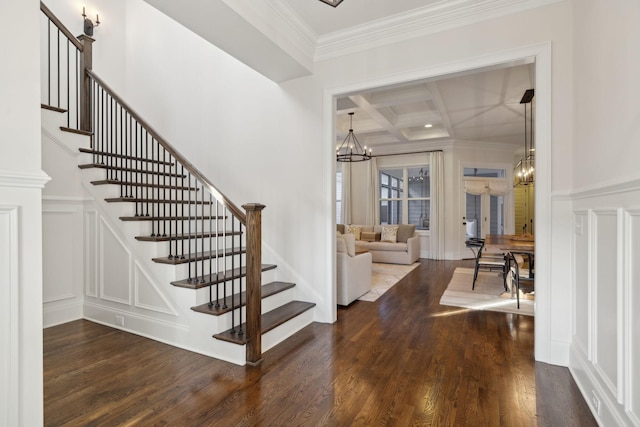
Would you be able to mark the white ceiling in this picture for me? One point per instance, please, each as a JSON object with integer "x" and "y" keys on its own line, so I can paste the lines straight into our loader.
{"x": 324, "y": 19}
{"x": 281, "y": 38}
{"x": 479, "y": 106}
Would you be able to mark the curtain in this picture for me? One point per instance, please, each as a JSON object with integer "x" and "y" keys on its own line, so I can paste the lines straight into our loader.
{"x": 373, "y": 193}
{"x": 475, "y": 187}
{"x": 499, "y": 188}
{"x": 346, "y": 193}
{"x": 436, "y": 240}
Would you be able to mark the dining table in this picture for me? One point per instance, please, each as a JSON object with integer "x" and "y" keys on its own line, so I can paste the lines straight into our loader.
{"x": 509, "y": 243}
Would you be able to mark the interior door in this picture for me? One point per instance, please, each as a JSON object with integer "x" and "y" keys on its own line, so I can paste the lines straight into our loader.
{"x": 484, "y": 214}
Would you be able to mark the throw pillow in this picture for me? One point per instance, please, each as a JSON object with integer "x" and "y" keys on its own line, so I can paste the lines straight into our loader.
{"x": 405, "y": 232}
{"x": 341, "y": 245}
{"x": 353, "y": 229}
{"x": 389, "y": 233}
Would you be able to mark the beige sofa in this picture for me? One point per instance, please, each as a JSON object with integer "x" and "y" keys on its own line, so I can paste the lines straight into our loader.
{"x": 405, "y": 250}
{"x": 353, "y": 271}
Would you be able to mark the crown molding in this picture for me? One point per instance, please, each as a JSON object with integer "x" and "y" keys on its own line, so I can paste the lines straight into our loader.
{"x": 438, "y": 17}
{"x": 23, "y": 178}
{"x": 281, "y": 24}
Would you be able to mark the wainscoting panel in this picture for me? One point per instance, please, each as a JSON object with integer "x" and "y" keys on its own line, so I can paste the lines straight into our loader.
{"x": 9, "y": 320}
{"x": 115, "y": 267}
{"x": 147, "y": 296}
{"x": 58, "y": 253}
{"x": 605, "y": 296}
{"x": 632, "y": 318}
{"x": 62, "y": 248}
{"x": 581, "y": 280}
{"x": 91, "y": 253}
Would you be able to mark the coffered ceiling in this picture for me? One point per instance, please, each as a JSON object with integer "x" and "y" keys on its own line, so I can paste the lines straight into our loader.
{"x": 477, "y": 106}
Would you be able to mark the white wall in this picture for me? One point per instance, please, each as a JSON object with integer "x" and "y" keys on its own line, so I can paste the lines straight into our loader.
{"x": 21, "y": 182}
{"x": 260, "y": 142}
{"x": 605, "y": 208}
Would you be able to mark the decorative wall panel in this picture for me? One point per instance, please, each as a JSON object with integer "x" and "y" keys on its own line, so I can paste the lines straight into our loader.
{"x": 59, "y": 262}
{"x": 9, "y": 322}
{"x": 605, "y": 296}
{"x": 147, "y": 296}
{"x": 91, "y": 253}
{"x": 115, "y": 262}
{"x": 632, "y": 320}
{"x": 581, "y": 280}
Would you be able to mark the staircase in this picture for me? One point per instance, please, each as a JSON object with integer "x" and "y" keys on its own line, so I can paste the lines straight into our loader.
{"x": 154, "y": 197}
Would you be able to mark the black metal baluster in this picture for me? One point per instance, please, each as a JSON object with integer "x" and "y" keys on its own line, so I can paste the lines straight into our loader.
{"x": 189, "y": 224}
{"x": 68, "y": 87}
{"x": 111, "y": 158}
{"x": 77, "y": 101}
{"x": 171, "y": 214}
{"x": 225, "y": 260}
{"x": 182, "y": 216}
{"x": 233, "y": 280}
{"x": 148, "y": 165}
{"x": 202, "y": 238}
{"x": 164, "y": 191}
{"x": 154, "y": 190}
{"x": 122, "y": 153}
{"x": 210, "y": 249}
{"x": 195, "y": 223}
{"x": 49, "y": 62}
{"x": 58, "y": 52}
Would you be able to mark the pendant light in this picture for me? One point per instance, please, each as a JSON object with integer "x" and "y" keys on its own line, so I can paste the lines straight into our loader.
{"x": 524, "y": 172}
{"x": 350, "y": 150}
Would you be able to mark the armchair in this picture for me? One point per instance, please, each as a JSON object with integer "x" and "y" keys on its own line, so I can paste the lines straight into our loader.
{"x": 353, "y": 271}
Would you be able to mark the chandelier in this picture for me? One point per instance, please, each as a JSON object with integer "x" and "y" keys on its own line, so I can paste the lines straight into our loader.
{"x": 350, "y": 150}
{"x": 333, "y": 3}
{"x": 524, "y": 172}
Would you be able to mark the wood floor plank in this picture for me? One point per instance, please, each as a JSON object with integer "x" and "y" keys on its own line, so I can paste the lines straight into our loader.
{"x": 402, "y": 360}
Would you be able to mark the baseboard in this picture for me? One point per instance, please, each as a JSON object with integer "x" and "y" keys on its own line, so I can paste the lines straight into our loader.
{"x": 173, "y": 334}
{"x": 61, "y": 313}
{"x": 603, "y": 405}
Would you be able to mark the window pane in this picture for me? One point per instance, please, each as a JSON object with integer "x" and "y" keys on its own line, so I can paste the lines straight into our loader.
{"x": 419, "y": 182}
{"x": 497, "y": 215}
{"x": 419, "y": 213}
{"x": 485, "y": 173}
{"x": 384, "y": 179}
{"x": 390, "y": 212}
{"x": 473, "y": 216}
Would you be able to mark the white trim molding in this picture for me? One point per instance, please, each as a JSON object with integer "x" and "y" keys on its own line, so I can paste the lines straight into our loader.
{"x": 23, "y": 179}
{"x": 9, "y": 316}
{"x": 434, "y": 18}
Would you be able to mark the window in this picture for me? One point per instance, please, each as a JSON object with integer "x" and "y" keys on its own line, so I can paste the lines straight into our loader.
{"x": 398, "y": 206}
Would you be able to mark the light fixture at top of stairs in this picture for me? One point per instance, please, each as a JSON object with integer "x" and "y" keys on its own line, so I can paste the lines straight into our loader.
{"x": 333, "y": 3}
{"x": 350, "y": 150}
{"x": 524, "y": 172}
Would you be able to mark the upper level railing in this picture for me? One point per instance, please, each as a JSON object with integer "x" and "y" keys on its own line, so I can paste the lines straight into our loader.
{"x": 203, "y": 227}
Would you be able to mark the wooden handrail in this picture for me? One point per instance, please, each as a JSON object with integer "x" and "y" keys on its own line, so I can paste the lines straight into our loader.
{"x": 224, "y": 200}
{"x": 61, "y": 27}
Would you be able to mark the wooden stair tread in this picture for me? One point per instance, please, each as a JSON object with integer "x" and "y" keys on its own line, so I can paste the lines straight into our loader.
{"x": 165, "y": 201}
{"x": 76, "y": 131}
{"x": 199, "y": 256}
{"x": 52, "y": 108}
{"x": 168, "y": 218}
{"x": 124, "y": 156}
{"x": 270, "y": 320}
{"x": 140, "y": 184}
{"x": 186, "y": 236}
{"x": 140, "y": 171}
{"x": 221, "y": 277}
{"x": 267, "y": 290}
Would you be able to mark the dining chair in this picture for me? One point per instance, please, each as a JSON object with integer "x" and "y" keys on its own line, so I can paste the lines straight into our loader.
{"x": 487, "y": 261}
{"x": 524, "y": 279}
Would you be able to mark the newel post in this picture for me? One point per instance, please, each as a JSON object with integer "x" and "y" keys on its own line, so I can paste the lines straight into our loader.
{"x": 86, "y": 63}
{"x": 254, "y": 281}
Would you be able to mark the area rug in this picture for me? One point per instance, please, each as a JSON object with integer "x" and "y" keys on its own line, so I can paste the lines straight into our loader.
{"x": 384, "y": 276}
{"x": 488, "y": 295}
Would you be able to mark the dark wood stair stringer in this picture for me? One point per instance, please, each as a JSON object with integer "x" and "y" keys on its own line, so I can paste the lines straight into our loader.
{"x": 270, "y": 320}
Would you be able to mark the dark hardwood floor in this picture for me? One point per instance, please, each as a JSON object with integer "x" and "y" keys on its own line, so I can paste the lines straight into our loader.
{"x": 402, "y": 360}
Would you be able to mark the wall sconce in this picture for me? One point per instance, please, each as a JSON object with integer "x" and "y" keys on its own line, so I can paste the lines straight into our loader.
{"x": 88, "y": 25}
